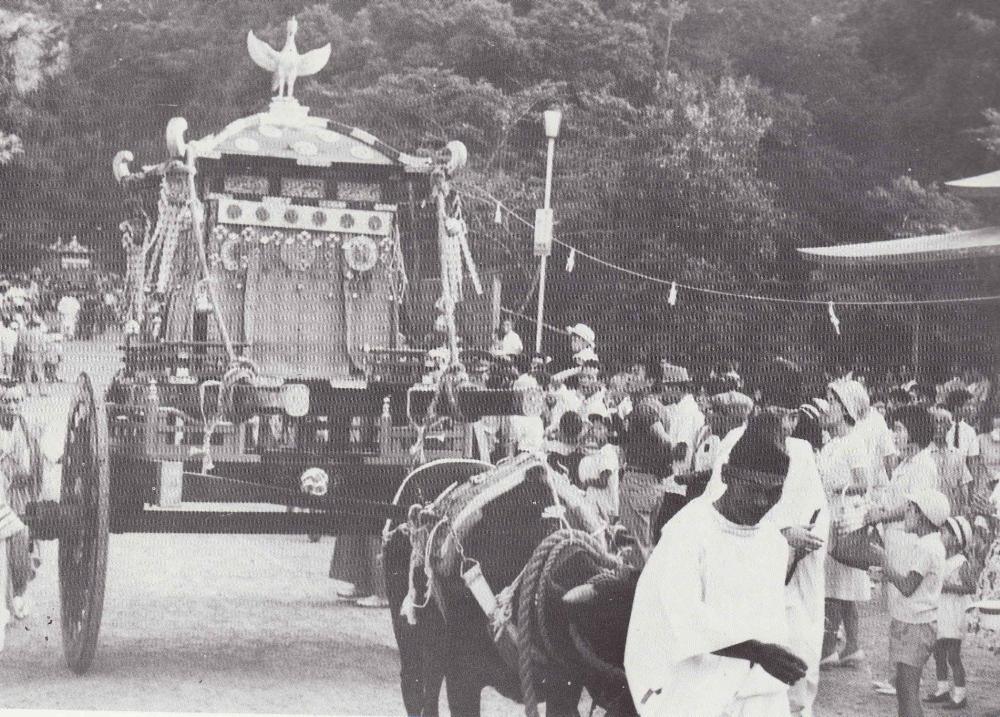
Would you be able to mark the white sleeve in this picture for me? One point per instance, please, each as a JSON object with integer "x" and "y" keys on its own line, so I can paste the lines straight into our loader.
{"x": 687, "y": 626}
{"x": 973, "y": 449}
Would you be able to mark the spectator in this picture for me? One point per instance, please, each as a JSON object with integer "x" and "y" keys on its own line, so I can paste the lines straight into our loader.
{"x": 647, "y": 459}
{"x": 586, "y": 398}
{"x": 68, "y": 309}
{"x": 955, "y": 382}
{"x": 989, "y": 449}
{"x": 8, "y": 344}
{"x": 563, "y": 446}
{"x": 952, "y": 624}
{"x": 356, "y": 570}
{"x": 686, "y": 419}
{"x": 923, "y": 395}
{"x": 918, "y": 576}
{"x": 527, "y": 433}
{"x": 510, "y": 341}
{"x": 955, "y": 480}
{"x": 34, "y": 356}
{"x": 583, "y": 342}
{"x": 53, "y": 355}
{"x": 913, "y": 431}
{"x": 844, "y": 465}
{"x": 599, "y": 468}
{"x": 897, "y": 398}
{"x": 961, "y": 435}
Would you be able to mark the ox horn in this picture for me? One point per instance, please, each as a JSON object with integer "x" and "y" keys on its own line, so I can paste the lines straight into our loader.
{"x": 176, "y": 128}
{"x": 119, "y": 165}
{"x": 580, "y": 595}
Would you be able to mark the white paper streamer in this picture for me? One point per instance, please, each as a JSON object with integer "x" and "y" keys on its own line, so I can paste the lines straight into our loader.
{"x": 833, "y": 318}
{"x": 571, "y": 260}
{"x": 672, "y": 296}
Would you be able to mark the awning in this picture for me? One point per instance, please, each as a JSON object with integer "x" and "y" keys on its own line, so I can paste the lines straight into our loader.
{"x": 982, "y": 186}
{"x": 971, "y": 244}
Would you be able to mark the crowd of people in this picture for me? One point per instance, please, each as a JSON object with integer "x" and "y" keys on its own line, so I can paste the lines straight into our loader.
{"x": 763, "y": 515}
{"x": 870, "y": 485}
{"x": 40, "y": 311}
{"x": 886, "y": 486}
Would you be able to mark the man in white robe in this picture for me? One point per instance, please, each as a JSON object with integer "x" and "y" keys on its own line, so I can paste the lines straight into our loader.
{"x": 708, "y": 631}
{"x": 803, "y": 517}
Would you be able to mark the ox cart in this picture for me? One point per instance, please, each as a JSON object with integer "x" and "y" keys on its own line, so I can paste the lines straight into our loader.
{"x": 275, "y": 292}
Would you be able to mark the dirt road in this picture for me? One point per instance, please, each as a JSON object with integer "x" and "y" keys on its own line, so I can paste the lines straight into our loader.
{"x": 250, "y": 624}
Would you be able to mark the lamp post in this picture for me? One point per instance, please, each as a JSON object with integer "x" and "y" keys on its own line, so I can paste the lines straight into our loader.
{"x": 543, "y": 218}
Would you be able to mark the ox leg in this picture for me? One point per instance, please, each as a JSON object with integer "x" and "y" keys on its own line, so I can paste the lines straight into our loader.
{"x": 433, "y": 677}
{"x": 396, "y": 564}
{"x": 562, "y": 697}
{"x": 464, "y": 691}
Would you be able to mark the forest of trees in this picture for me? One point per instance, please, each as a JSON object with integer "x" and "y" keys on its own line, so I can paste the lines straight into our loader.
{"x": 702, "y": 140}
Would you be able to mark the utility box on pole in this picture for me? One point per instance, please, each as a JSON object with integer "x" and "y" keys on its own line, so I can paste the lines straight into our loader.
{"x": 543, "y": 232}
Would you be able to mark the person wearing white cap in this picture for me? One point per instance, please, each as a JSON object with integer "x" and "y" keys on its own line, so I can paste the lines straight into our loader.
{"x": 919, "y": 577}
{"x": 843, "y": 465}
{"x": 583, "y": 342}
{"x": 956, "y": 598}
{"x": 686, "y": 418}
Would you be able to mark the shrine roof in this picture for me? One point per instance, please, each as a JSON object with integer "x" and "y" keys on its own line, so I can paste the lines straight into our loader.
{"x": 287, "y": 131}
{"x": 952, "y": 246}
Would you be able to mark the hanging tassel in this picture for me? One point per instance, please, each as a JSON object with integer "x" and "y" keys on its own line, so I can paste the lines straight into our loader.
{"x": 833, "y": 318}
{"x": 672, "y": 296}
{"x": 498, "y": 217}
{"x": 571, "y": 261}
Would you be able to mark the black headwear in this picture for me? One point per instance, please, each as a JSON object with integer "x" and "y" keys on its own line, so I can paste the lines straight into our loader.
{"x": 780, "y": 384}
{"x": 757, "y": 456}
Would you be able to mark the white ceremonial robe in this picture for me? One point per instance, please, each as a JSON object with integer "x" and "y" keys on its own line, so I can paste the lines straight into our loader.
{"x": 803, "y": 494}
{"x": 707, "y": 585}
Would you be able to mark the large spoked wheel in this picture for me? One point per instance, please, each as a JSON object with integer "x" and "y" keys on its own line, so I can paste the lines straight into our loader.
{"x": 83, "y": 543}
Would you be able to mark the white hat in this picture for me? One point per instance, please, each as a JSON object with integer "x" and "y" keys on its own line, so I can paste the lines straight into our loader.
{"x": 852, "y": 396}
{"x": 584, "y": 332}
{"x": 933, "y": 504}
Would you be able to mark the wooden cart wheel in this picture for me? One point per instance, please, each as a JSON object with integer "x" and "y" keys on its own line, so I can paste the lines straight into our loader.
{"x": 83, "y": 543}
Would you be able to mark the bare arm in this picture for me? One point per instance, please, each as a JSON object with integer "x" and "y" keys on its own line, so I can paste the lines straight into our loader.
{"x": 967, "y": 581}
{"x": 907, "y": 584}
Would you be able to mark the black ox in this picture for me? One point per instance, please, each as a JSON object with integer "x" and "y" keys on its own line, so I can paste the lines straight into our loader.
{"x": 452, "y": 641}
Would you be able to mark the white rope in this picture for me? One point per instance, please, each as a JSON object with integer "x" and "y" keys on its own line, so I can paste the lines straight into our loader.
{"x": 729, "y": 294}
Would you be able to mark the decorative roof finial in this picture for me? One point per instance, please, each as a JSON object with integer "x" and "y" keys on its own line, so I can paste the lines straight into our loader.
{"x": 287, "y": 65}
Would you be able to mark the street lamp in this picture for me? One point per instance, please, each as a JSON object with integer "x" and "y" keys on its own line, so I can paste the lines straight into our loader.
{"x": 551, "y": 120}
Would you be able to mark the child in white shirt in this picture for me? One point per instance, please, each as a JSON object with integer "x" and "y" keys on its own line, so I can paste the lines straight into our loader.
{"x": 956, "y": 598}
{"x": 913, "y": 629}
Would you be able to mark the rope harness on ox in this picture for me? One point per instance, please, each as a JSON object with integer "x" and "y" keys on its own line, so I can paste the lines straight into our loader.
{"x": 538, "y": 649}
{"x": 530, "y": 637}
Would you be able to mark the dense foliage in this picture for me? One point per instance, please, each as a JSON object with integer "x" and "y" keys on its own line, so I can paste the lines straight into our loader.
{"x": 702, "y": 140}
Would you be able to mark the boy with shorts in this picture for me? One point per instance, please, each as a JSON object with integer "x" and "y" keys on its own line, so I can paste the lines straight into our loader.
{"x": 913, "y": 630}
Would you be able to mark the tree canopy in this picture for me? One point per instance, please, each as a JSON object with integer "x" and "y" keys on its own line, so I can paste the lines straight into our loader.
{"x": 702, "y": 140}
